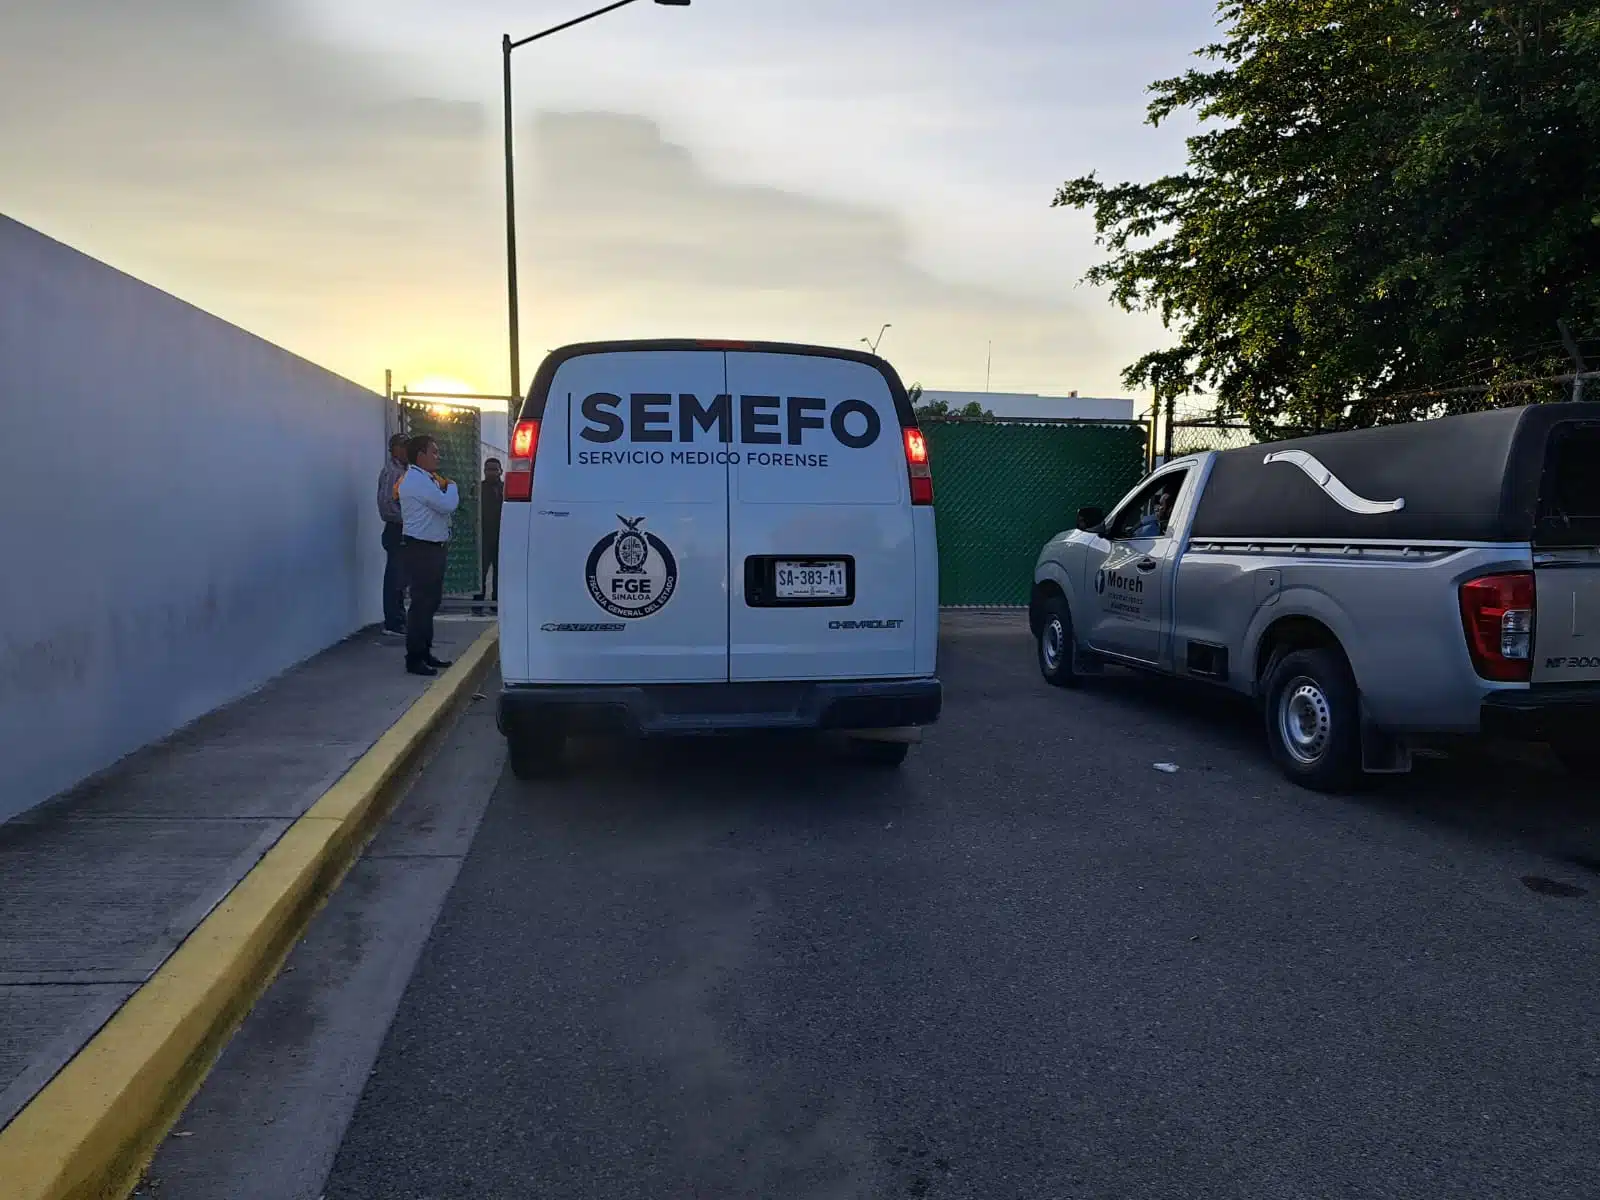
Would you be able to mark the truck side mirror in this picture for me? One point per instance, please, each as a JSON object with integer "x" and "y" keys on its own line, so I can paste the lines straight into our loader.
{"x": 1091, "y": 518}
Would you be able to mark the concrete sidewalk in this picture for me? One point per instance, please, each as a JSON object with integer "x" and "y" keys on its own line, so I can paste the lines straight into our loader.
{"x": 99, "y": 886}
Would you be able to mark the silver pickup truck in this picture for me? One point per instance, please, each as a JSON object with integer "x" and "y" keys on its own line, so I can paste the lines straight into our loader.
{"x": 1368, "y": 589}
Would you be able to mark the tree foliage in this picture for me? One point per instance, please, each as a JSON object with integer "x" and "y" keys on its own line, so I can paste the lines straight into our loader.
{"x": 940, "y": 410}
{"x": 1385, "y": 197}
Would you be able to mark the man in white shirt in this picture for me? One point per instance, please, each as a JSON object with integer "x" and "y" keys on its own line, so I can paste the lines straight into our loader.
{"x": 427, "y": 499}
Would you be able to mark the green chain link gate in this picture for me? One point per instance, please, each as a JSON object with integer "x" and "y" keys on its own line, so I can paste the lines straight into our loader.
{"x": 457, "y": 428}
{"x": 1003, "y": 489}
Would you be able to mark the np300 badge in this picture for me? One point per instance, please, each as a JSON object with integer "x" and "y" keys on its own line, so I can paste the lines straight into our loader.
{"x": 631, "y": 573}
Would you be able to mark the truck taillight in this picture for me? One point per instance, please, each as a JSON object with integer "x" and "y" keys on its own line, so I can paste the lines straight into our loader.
{"x": 917, "y": 465}
{"x": 1497, "y": 613}
{"x": 524, "y": 449}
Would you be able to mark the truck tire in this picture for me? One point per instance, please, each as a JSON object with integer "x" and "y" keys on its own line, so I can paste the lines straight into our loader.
{"x": 872, "y": 753}
{"x": 1059, "y": 656}
{"x": 535, "y": 754}
{"x": 1313, "y": 714}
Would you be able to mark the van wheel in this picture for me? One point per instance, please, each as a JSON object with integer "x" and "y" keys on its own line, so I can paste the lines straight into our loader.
{"x": 1313, "y": 712}
{"x": 537, "y": 754}
{"x": 873, "y": 753}
{"x": 1060, "y": 660}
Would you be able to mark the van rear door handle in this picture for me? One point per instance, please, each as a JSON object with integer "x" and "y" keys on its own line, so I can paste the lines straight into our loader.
{"x": 1146, "y": 564}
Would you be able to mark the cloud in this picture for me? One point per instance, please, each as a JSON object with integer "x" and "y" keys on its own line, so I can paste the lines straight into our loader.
{"x": 310, "y": 193}
{"x": 283, "y": 184}
{"x": 630, "y": 230}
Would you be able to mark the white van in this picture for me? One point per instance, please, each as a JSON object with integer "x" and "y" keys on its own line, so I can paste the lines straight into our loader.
{"x": 702, "y": 536}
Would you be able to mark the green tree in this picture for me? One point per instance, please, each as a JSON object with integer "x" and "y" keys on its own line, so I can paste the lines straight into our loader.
{"x": 1385, "y": 197}
{"x": 940, "y": 410}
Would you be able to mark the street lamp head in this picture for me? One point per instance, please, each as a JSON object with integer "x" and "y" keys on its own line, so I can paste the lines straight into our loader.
{"x": 674, "y": 3}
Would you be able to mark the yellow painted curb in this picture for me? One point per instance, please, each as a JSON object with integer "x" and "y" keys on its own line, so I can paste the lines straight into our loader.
{"x": 92, "y": 1130}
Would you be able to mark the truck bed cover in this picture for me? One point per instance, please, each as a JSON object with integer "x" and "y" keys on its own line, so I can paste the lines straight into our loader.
{"x": 1469, "y": 478}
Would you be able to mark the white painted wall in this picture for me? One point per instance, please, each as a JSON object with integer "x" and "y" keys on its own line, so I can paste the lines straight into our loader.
{"x": 1026, "y": 405}
{"x": 187, "y": 511}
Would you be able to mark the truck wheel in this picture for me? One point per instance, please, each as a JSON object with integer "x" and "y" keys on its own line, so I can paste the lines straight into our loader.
{"x": 535, "y": 754}
{"x": 1059, "y": 656}
{"x": 872, "y": 753}
{"x": 1313, "y": 712}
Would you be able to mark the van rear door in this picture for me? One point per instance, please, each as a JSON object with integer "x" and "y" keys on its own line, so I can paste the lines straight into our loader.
{"x": 627, "y": 578}
{"x": 1567, "y": 557}
{"x": 821, "y": 544}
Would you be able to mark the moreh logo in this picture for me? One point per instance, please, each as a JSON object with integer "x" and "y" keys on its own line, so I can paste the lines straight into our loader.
{"x": 1127, "y": 585}
{"x": 631, "y": 573}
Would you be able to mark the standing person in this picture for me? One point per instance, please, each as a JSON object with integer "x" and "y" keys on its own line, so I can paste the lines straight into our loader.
{"x": 394, "y": 580}
{"x": 426, "y": 501}
{"x": 493, "y": 495}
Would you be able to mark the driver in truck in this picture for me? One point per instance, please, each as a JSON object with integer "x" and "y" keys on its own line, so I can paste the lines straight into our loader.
{"x": 1154, "y": 522}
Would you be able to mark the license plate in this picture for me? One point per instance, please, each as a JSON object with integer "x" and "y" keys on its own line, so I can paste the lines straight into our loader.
{"x": 809, "y": 580}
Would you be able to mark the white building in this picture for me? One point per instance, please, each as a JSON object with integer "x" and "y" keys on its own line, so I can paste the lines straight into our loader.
{"x": 1026, "y": 405}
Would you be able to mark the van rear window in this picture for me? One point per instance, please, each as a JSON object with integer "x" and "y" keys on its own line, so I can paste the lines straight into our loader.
{"x": 1569, "y": 494}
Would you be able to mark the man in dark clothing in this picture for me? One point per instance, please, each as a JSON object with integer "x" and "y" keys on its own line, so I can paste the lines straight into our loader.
{"x": 492, "y": 496}
{"x": 394, "y": 580}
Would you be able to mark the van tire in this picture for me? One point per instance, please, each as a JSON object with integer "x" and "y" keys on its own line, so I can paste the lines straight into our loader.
{"x": 535, "y": 755}
{"x": 872, "y": 753}
{"x": 1313, "y": 718}
{"x": 1060, "y": 659}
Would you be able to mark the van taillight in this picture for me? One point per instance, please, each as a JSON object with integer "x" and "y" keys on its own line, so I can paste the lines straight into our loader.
{"x": 917, "y": 465}
{"x": 1497, "y": 613}
{"x": 524, "y": 449}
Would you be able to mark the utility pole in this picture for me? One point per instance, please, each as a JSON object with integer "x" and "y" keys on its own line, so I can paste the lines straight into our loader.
{"x": 507, "y": 45}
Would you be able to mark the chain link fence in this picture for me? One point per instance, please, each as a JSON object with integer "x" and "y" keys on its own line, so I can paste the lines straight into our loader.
{"x": 1192, "y": 437}
{"x": 457, "y": 429}
{"x": 1004, "y": 488}
{"x": 1192, "y": 430}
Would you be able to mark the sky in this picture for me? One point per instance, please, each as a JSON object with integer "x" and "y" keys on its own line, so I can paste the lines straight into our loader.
{"x": 329, "y": 174}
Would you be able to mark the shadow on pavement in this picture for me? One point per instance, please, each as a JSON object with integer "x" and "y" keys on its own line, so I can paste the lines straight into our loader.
{"x": 1493, "y": 791}
{"x": 768, "y": 777}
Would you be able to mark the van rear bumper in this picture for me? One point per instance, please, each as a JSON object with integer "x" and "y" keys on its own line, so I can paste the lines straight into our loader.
{"x": 1552, "y": 712}
{"x": 689, "y": 708}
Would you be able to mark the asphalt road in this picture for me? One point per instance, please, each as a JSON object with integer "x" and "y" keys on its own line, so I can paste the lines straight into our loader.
{"x": 1028, "y": 964}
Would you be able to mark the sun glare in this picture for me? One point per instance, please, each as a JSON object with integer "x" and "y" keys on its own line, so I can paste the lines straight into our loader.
{"x": 446, "y": 384}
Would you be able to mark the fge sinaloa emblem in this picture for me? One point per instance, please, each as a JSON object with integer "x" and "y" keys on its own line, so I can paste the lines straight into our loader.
{"x": 631, "y": 573}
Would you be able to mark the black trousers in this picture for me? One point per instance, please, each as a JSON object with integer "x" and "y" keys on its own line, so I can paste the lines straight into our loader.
{"x": 424, "y": 563}
{"x": 491, "y": 562}
{"x": 394, "y": 578}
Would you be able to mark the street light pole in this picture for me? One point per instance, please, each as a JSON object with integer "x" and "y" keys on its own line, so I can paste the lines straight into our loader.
{"x": 511, "y": 235}
{"x": 506, "y": 47}
{"x": 873, "y": 343}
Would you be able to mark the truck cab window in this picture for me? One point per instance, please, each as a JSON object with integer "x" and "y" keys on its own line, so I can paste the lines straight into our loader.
{"x": 1149, "y": 514}
{"x": 1571, "y": 485}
